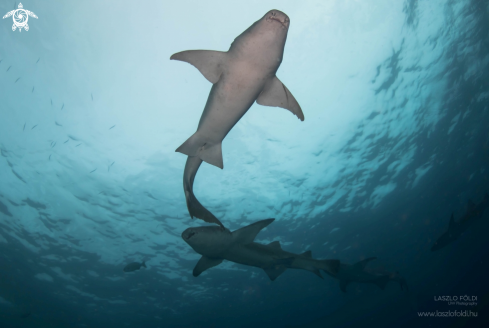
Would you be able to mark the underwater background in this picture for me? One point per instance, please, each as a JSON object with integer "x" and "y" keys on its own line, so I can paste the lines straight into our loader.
{"x": 395, "y": 139}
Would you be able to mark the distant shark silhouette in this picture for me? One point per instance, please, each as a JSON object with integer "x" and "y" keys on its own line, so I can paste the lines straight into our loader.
{"x": 455, "y": 229}
{"x": 216, "y": 245}
{"x": 348, "y": 273}
{"x": 242, "y": 75}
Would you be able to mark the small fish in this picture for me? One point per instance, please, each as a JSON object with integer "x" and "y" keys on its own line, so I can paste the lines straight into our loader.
{"x": 50, "y": 156}
{"x": 113, "y": 126}
{"x": 38, "y": 60}
{"x": 8, "y": 68}
{"x": 77, "y": 145}
{"x": 53, "y": 144}
{"x": 17, "y": 80}
{"x": 108, "y": 169}
{"x": 63, "y": 106}
{"x": 51, "y": 101}
{"x": 66, "y": 141}
{"x": 57, "y": 123}
{"x": 124, "y": 189}
{"x": 24, "y": 127}
{"x": 93, "y": 171}
{"x": 1, "y": 60}
{"x": 92, "y": 96}
{"x": 33, "y": 126}
{"x": 33, "y": 89}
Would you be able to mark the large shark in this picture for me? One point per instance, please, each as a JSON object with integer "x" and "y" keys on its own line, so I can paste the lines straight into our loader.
{"x": 348, "y": 273}
{"x": 455, "y": 229}
{"x": 216, "y": 244}
{"x": 242, "y": 75}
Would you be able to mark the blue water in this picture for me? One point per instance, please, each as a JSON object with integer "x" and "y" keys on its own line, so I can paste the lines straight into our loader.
{"x": 395, "y": 139}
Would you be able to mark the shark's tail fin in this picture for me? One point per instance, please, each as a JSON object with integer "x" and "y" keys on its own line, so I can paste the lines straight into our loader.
{"x": 331, "y": 267}
{"x": 144, "y": 264}
{"x": 202, "y": 147}
{"x": 195, "y": 208}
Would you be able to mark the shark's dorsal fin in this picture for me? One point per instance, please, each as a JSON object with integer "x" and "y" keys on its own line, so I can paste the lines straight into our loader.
{"x": 210, "y": 63}
{"x": 470, "y": 205}
{"x": 276, "y": 94}
{"x": 275, "y": 244}
{"x": 204, "y": 264}
{"x": 247, "y": 234}
{"x": 361, "y": 265}
{"x": 307, "y": 254}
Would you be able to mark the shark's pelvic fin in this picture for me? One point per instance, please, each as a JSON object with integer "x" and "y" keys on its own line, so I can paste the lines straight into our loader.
{"x": 361, "y": 265}
{"x": 343, "y": 284}
{"x": 278, "y": 267}
{"x": 247, "y": 234}
{"x": 200, "y": 146}
{"x": 329, "y": 266}
{"x": 273, "y": 273}
{"x": 208, "y": 62}
{"x": 382, "y": 281}
{"x": 276, "y": 94}
{"x": 275, "y": 244}
{"x": 204, "y": 264}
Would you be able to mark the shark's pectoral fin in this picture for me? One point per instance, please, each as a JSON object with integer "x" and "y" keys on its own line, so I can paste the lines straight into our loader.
{"x": 208, "y": 62}
{"x": 247, "y": 234}
{"x": 361, "y": 265}
{"x": 276, "y": 94}
{"x": 343, "y": 283}
{"x": 204, "y": 264}
{"x": 331, "y": 267}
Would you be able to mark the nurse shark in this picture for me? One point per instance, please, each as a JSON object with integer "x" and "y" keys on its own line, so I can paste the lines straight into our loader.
{"x": 455, "y": 229}
{"x": 242, "y": 75}
{"x": 216, "y": 244}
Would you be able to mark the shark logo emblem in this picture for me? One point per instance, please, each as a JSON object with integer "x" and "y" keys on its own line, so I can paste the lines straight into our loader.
{"x": 20, "y": 17}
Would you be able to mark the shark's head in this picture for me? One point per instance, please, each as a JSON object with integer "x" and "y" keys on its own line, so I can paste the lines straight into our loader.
{"x": 210, "y": 241}
{"x": 264, "y": 41}
{"x": 276, "y": 17}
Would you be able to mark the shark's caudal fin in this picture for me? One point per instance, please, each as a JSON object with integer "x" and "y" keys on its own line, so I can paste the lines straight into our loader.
{"x": 202, "y": 147}
{"x": 194, "y": 207}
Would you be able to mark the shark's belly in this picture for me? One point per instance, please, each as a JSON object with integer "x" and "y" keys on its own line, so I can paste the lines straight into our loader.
{"x": 229, "y": 99}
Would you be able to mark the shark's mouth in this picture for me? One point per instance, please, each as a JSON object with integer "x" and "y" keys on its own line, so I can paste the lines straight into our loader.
{"x": 275, "y": 18}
